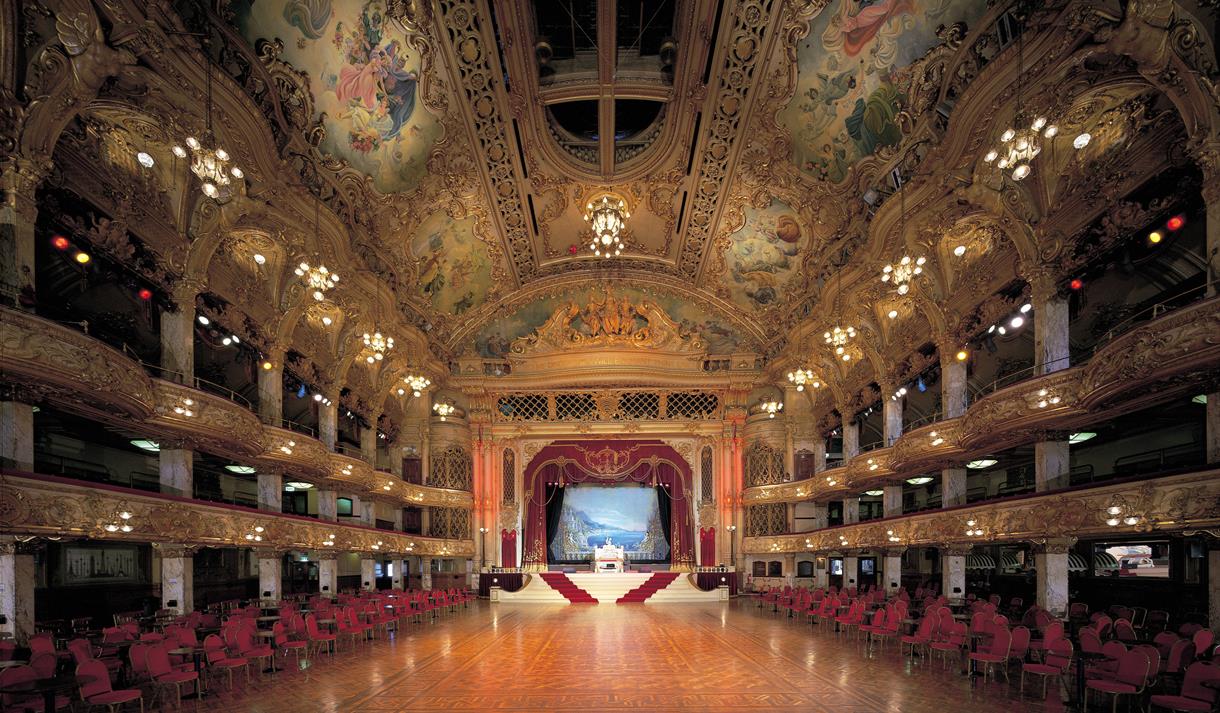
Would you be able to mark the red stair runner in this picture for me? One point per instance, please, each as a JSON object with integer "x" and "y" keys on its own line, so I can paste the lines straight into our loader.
{"x": 560, "y": 583}
{"x": 655, "y": 583}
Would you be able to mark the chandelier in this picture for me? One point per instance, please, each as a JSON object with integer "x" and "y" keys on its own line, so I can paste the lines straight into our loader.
{"x": 800, "y": 377}
{"x": 319, "y": 279}
{"x": 1019, "y": 147}
{"x": 607, "y": 218}
{"x": 902, "y": 273}
{"x": 209, "y": 162}
{"x": 444, "y": 410}
{"x": 120, "y": 522}
{"x": 770, "y": 407}
{"x": 837, "y": 338}
{"x": 378, "y": 344}
{"x": 417, "y": 384}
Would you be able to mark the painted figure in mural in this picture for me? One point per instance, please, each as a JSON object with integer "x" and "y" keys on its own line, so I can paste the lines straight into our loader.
{"x": 375, "y": 86}
{"x": 308, "y": 16}
{"x": 762, "y": 252}
{"x": 860, "y": 27}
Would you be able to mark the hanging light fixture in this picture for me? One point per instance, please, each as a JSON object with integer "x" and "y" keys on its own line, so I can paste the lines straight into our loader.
{"x": 901, "y": 273}
{"x": 210, "y": 163}
{"x": 318, "y": 279}
{"x": 801, "y": 377}
{"x": 770, "y": 407}
{"x": 416, "y": 384}
{"x": 119, "y": 522}
{"x": 838, "y": 338}
{"x": 378, "y": 346}
{"x": 607, "y": 219}
{"x": 443, "y": 409}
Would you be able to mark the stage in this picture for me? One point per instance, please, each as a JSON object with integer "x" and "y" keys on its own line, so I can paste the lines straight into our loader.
{"x": 607, "y": 588}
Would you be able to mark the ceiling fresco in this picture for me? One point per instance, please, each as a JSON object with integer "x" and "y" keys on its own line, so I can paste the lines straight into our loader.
{"x": 455, "y": 270}
{"x": 364, "y": 73}
{"x": 852, "y": 75}
{"x": 763, "y": 255}
{"x": 494, "y": 340}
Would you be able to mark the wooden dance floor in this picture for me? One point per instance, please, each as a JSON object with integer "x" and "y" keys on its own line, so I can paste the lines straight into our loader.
{"x": 679, "y": 657}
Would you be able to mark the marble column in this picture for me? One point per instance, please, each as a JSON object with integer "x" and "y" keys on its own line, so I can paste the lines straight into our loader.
{"x": 1051, "y": 564}
{"x": 177, "y": 577}
{"x": 851, "y": 511}
{"x": 1052, "y": 465}
{"x": 891, "y": 500}
{"x": 19, "y": 180}
{"x": 891, "y": 419}
{"x": 953, "y": 571}
{"x": 851, "y": 571}
{"x": 397, "y": 518}
{"x": 789, "y": 569}
{"x": 328, "y": 573}
{"x": 16, "y": 434}
{"x": 819, "y": 455}
{"x": 952, "y": 487}
{"x": 177, "y": 468}
{"x": 952, "y": 382}
{"x": 368, "y": 574}
{"x": 271, "y": 389}
{"x": 17, "y": 577}
{"x": 891, "y": 571}
{"x": 327, "y": 507}
{"x": 1052, "y": 347}
{"x": 270, "y": 570}
{"x": 328, "y": 423}
{"x": 396, "y": 571}
{"x": 1213, "y": 585}
{"x": 178, "y": 336}
{"x": 271, "y": 492}
{"x": 821, "y": 575}
{"x": 425, "y": 571}
{"x": 851, "y": 440}
{"x": 821, "y": 516}
{"x": 1212, "y": 416}
{"x": 368, "y": 444}
{"x": 790, "y": 517}
{"x": 362, "y": 509}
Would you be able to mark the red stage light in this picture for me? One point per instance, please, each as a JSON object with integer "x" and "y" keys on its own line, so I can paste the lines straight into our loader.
{"x": 145, "y": 294}
{"x": 59, "y": 242}
{"x": 1076, "y": 283}
{"x": 572, "y": 249}
{"x": 1176, "y": 222}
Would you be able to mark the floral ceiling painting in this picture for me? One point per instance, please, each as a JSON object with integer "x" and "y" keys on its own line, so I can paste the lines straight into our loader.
{"x": 494, "y": 341}
{"x": 763, "y": 255}
{"x": 364, "y": 76}
{"x": 852, "y": 77}
{"x": 454, "y": 267}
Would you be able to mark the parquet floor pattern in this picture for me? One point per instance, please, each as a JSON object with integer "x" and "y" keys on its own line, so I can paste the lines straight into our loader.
{"x": 679, "y": 657}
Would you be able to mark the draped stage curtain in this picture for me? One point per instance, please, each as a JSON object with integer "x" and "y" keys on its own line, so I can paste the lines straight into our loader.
{"x": 508, "y": 548}
{"x": 608, "y": 462}
{"x": 707, "y": 547}
{"x": 663, "y": 505}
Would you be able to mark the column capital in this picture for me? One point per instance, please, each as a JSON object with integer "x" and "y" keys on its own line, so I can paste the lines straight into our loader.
{"x": 893, "y": 551}
{"x": 1054, "y": 545}
{"x": 19, "y": 180}
{"x": 1206, "y": 153}
{"x": 327, "y": 555}
{"x": 1043, "y": 280}
{"x": 956, "y": 550}
{"x": 266, "y": 553}
{"x": 172, "y": 550}
{"x": 184, "y": 291}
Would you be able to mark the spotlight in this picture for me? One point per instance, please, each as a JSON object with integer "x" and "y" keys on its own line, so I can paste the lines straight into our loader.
{"x": 963, "y": 355}
{"x": 267, "y": 365}
{"x": 226, "y": 341}
{"x": 1016, "y": 322}
{"x": 260, "y": 258}
{"x": 204, "y": 320}
{"x": 59, "y": 242}
{"x": 1175, "y": 223}
{"x": 893, "y": 313}
{"x": 145, "y": 160}
{"x": 1081, "y": 140}
{"x": 317, "y": 397}
{"x": 959, "y": 250}
{"x": 1154, "y": 237}
{"x": 145, "y": 294}
{"x": 1076, "y": 283}
{"x": 1003, "y": 331}
{"x": 83, "y": 258}
{"x": 1025, "y": 308}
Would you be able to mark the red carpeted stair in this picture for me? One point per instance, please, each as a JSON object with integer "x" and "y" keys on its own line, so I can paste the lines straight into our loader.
{"x": 560, "y": 583}
{"x": 655, "y": 583}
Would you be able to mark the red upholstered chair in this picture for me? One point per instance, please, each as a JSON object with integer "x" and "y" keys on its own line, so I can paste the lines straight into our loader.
{"x": 1020, "y": 644}
{"x": 953, "y": 643}
{"x": 1181, "y": 656}
{"x": 1129, "y": 678}
{"x": 1203, "y": 638}
{"x": 1114, "y": 651}
{"x": 7, "y": 650}
{"x": 44, "y": 664}
{"x": 164, "y": 675}
{"x": 82, "y": 651}
{"x": 876, "y": 623}
{"x": 318, "y": 638}
{"x": 285, "y": 644}
{"x": 1194, "y": 695}
{"x": 1050, "y": 634}
{"x": 1124, "y": 632}
{"x": 923, "y": 634}
{"x": 96, "y": 691}
{"x": 219, "y": 660}
{"x": 1157, "y": 620}
{"x": 996, "y": 653}
{"x": 16, "y": 701}
{"x": 1165, "y": 640}
{"x": 1056, "y": 661}
{"x": 249, "y": 648}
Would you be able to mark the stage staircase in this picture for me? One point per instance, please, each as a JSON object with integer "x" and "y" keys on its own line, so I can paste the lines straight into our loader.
{"x": 656, "y": 582}
{"x": 560, "y": 583}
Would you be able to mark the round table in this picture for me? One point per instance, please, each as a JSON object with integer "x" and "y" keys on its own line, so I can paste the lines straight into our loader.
{"x": 1081, "y": 657}
{"x": 48, "y": 687}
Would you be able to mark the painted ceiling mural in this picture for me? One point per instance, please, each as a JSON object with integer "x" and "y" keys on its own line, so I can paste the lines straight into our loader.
{"x": 764, "y": 254}
{"x": 852, "y": 75}
{"x": 454, "y": 266}
{"x": 364, "y": 77}
{"x": 494, "y": 341}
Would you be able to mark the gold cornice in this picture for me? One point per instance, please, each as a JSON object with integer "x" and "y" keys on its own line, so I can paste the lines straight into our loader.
{"x": 1171, "y": 504}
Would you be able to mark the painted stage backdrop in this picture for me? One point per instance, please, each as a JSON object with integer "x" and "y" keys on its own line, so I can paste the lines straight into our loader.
{"x": 626, "y": 515}
{"x": 364, "y": 78}
{"x": 494, "y": 340}
{"x": 852, "y": 75}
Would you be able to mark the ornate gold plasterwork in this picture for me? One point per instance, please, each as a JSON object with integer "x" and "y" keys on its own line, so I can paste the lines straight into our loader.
{"x": 31, "y": 506}
{"x": 608, "y": 321}
{"x": 1171, "y": 504}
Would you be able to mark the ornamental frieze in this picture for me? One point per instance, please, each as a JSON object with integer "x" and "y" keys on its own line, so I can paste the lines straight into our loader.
{"x": 1172, "y": 504}
{"x": 33, "y": 506}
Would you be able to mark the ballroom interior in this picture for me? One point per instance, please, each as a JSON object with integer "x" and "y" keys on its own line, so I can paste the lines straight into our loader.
{"x": 583, "y": 355}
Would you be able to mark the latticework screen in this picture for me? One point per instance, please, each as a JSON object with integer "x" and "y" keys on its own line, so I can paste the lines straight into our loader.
{"x": 575, "y": 407}
{"x": 707, "y": 481}
{"x": 523, "y": 407}
{"x": 638, "y": 406}
{"x": 509, "y": 487}
{"x": 764, "y": 465}
{"x": 763, "y": 520}
{"x": 450, "y": 523}
{"x": 685, "y": 404}
{"x": 451, "y": 468}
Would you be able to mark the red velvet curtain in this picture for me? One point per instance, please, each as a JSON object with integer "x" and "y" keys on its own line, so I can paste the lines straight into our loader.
{"x": 608, "y": 462}
{"x": 707, "y": 547}
{"x": 508, "y": 548}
